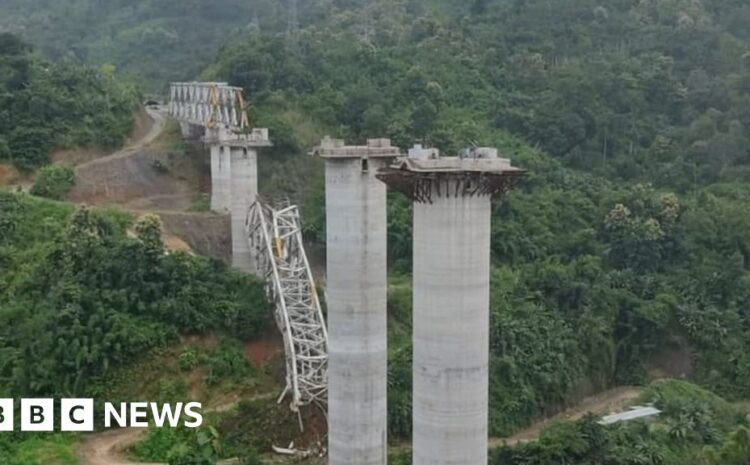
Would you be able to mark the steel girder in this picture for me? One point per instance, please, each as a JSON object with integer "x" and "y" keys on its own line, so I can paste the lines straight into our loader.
{"x": 208, "y": 104}
{"x": 275, "y": 238}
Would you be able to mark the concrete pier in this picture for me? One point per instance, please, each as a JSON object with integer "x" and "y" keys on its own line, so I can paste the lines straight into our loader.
{"x": 452, "y": 207}
{"x": 221, "y": 179}
{"x": 357, "y": 293}
{"x": 234, "y": 180}
{"x": 191, "y": 131}
{"x": 243, "y": 161}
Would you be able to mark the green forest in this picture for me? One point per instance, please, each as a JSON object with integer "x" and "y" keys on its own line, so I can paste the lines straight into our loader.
{"x": 152, "y": 41}
{"x": 623, "y": 257}
{"x": 47, "y": 105}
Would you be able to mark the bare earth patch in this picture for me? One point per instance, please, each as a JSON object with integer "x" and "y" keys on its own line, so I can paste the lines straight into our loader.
{"x": 8, "y": 174}
{"x": 109, "y": 448}
{"x": 262, "y": 352}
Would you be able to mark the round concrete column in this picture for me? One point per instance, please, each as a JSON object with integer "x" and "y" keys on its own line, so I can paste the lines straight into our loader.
{"x": 451, "y": 329}
{"x": 357, "y": 292}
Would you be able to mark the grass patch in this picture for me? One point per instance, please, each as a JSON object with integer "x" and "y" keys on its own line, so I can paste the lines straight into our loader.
{"x": 200, "y": 203}
{"x": 57, "y": 449}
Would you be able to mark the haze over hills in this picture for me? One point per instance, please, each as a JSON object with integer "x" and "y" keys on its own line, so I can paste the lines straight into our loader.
{"x": 623, "y": 258}
{"x": 152, "y": 41}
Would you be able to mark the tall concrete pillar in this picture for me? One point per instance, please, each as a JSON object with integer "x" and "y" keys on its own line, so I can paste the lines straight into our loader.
{"x": 357, "y": 293}
{"x": 221, "y": 178}
{"x": 452, "y": 206}
{"x": 243, "y": 161}
{"x": 234, "y": 179}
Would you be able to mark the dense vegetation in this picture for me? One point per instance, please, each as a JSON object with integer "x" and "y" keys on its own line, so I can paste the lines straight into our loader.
{"x": 153, "y": 41}
{"x": 80, "y": 300}
{"x": 657, "y": 92}
{"x": 626, "y": 250}
{"x": 695, "y": 427}
{"x": 46, "y": 105}
{"x": 79, "y": 297}
{"x": 54, "y": 182}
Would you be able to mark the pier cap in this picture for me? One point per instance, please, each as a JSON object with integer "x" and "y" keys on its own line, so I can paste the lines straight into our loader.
{"x": 256, "y": 137}
{"x": 477, "y": 171}
{"x": 337, "y": 148}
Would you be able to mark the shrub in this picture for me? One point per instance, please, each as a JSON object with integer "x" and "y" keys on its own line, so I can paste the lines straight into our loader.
{"x": 226, "y": 361}
{"x": 54, "y": 182}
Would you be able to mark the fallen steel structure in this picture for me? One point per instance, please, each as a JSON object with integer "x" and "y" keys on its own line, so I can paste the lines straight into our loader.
{"x": 275, "y": 237}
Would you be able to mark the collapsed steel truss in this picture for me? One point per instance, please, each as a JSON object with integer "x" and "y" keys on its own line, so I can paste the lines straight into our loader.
{"x": 208, "y": 104}
{"x": 276, "y": 239}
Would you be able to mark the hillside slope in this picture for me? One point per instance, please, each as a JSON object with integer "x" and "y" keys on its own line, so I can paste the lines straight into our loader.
{"x": 619, "y": 256}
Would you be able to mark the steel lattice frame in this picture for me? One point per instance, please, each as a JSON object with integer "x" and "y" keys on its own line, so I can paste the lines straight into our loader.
{"x": 208, "y": 104}
{"x": 276, "y": 239}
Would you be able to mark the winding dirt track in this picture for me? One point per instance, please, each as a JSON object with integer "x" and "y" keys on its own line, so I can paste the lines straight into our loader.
{"x": 612, "y": 401}
{"x": 159, "y": 122}
{"x": 109, "y": 448}
{"x": 131, "y": 178}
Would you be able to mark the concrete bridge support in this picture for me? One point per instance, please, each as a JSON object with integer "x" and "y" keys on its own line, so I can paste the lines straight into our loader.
{"x": 221, "y": 179}
{"x": 451, "y": 329}
{"x": 357, "y": 293}
{"x": 192, "y": 131}
{"x": 452, "y": 206}
{"x": 234, "y": 184}
{"x": 243, "y": 162}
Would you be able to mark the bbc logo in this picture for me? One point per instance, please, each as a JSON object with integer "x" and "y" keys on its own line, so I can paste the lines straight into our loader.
{"x": 38, "y": 415}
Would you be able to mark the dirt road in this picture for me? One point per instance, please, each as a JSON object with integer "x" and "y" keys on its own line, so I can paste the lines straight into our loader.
{"x": 612, "y": 401}
{"x": 134, "y": 178}
{"x": 109, "y": 448}
{"x": 159, "y": 120}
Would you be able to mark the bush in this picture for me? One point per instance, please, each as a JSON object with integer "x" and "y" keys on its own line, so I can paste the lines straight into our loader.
{"x": 188, "y": 360}
{"x": 399, "y": 393}
{"x": 54, "y": 182}
{"x": 227, "y": 361}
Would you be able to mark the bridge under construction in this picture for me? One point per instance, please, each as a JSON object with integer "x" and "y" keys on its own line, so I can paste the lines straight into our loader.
{"x": 341, "y": 364}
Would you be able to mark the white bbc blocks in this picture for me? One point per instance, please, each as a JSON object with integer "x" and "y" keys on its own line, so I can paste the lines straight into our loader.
{"x": 77, "y": 415}
{"x": 39, "y": 415}
{"x": 6, "y": 415}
